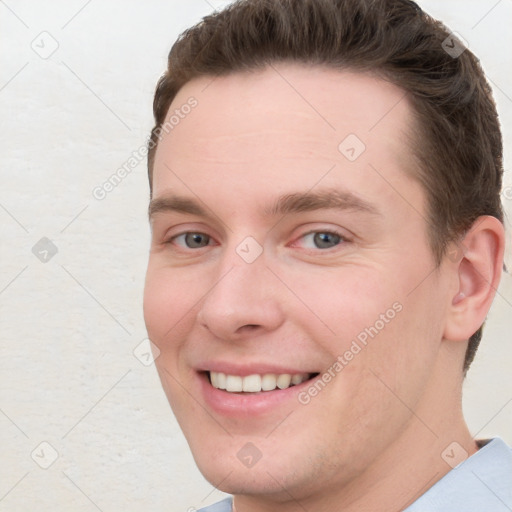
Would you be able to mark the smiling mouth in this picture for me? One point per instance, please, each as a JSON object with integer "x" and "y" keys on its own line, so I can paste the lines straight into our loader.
{"x": 257, "y": 383}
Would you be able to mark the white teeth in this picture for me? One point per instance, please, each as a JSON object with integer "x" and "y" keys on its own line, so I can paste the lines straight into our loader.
{"x": 268, "y": 382}
{"x": 234, "y": 383}
{"x": 221, "y": 381}
{"x": 251, "y": 383}
{"x": 297, "y": 378}
{"x": 283, "y": 381}
{"x": 256, "y": 383}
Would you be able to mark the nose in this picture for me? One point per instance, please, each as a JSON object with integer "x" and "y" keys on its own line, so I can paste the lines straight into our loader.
{"x": 242, "y": 302}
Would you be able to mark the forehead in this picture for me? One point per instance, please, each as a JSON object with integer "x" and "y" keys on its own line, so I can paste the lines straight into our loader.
{"x": 285, "y": 121}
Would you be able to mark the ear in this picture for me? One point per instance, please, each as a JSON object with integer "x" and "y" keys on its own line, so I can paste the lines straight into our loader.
{"x": 478, "y": 267}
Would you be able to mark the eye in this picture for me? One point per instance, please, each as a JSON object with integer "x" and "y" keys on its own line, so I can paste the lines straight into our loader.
{"x": 191, "y": 240}
{"x": 322, "y": 239}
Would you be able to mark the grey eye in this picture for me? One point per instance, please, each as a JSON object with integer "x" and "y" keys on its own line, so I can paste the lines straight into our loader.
{"x": 325, "y": 240}
{"x": 195, "y": 240}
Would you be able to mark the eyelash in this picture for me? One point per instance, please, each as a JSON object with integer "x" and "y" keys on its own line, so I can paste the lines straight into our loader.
{"x": 342, "y": 238}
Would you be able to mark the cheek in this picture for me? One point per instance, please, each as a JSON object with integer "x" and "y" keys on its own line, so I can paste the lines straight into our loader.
{"x": 156, "y": 305}
{"x": 401, "y": 355}
{"x": 344, "y": 304}
{"x": 167, "y": 302}
{"x": 374, "y": 321}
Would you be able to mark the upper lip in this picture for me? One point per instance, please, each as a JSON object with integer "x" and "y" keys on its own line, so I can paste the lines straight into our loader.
{"x": 249, "y": 369}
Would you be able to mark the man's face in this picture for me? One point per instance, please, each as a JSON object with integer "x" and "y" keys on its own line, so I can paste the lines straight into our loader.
{"x": 265, "y": 278}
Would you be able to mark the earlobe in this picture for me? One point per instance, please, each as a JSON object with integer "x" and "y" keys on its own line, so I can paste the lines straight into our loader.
{"x": 478, "y": 275}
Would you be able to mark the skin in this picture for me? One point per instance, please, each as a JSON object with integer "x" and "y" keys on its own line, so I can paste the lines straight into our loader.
{"x": 372, "y": 439}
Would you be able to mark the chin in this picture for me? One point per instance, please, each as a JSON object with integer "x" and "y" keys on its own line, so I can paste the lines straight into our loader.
{"x": 234, "y": 467}
{"x": 265, "y": 480}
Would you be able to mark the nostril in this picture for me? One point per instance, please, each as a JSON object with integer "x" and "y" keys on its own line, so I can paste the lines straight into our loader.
{"x": 248, "y": 327}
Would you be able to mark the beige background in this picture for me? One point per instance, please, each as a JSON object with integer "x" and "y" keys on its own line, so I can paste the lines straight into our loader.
{"x": 69, "y": 326}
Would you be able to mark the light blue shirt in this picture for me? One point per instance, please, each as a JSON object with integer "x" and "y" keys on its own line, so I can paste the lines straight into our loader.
{"x": 481, "y": 483}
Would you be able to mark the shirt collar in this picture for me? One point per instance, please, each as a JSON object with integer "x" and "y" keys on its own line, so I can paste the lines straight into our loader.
{"x": 481, "y": 482}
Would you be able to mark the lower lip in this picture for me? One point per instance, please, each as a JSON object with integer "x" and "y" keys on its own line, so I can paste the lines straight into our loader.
{"x": 248, "y": 404}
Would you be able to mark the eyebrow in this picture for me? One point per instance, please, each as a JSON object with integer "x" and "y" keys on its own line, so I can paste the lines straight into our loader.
{"x": 290, "y": 203}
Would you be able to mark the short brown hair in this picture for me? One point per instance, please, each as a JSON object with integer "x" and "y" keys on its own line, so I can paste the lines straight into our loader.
{"x": 458, "y": 143}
